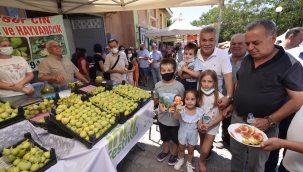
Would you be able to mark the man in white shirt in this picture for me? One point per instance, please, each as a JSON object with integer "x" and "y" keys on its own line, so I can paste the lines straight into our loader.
{"x": 156, "y": 57}
{"x": 213, "y": 58}
{"x": 293, "y": 38}
{"x": 117, "y": 72}
{"x": 144, "y": 64}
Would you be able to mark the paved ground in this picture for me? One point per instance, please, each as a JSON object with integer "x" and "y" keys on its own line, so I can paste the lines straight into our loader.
{"x": 145, "y": 161}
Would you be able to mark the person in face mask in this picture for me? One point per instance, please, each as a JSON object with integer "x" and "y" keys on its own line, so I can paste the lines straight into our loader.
{"x": 156, "y": 57}
{"x": 208, "y": 94}
{"x": 16, "y": 74}
{"x": 131, "y": 67}
{"x": 165, "y": 91}
{"x": 121, "y": 48}
{"x": 190, "y": 66}
{"x": 116, "y": 63}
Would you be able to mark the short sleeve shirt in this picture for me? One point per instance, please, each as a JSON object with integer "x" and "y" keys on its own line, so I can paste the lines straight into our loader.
{"x": 98, "y": 58}
{"x": 12, "y": 71}
{"x": 52, "y": 66}
{"x": 219, "y": 62}
{"x": 262, "y": 90}
{"x": 122, "y": 63}
{"x": 166, "y": 95}
{"x": 143, "y": 63}
{"x": 155, "y": 55}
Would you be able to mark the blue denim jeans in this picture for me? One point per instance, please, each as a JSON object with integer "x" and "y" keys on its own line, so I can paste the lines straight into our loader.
{"x": 189, "y": 85}
{"x": 156, "y": 74}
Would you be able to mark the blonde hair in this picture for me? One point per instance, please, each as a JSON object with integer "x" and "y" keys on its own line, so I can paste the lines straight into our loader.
{"x": 214, "y": 76}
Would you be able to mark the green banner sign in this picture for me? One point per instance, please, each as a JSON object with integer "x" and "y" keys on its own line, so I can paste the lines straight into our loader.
{"x": 28, "y": 36}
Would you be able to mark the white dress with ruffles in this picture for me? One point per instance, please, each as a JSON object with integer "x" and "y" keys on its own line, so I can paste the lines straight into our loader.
{"x": 188, "y": 131}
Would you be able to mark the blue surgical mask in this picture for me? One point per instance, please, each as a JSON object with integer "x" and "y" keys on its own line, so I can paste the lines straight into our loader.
{"x": 208, "y": 92}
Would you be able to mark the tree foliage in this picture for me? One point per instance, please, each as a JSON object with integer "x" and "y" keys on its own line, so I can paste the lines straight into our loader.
{"x": 238, "y": 13}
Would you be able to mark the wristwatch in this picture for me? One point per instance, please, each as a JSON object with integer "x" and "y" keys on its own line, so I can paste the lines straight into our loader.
{"x": 271, "y": 122}
{"x": 230, "y": 98}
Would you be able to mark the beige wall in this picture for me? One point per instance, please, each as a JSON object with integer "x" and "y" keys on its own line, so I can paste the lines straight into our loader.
{"x": 121, "y": 24}
{"x": 142, "y": 18}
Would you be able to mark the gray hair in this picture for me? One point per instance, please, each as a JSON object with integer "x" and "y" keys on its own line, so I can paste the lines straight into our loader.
{"x": 237, "y": 34}
{"x": 208, "y": 29}
{"x": 295, "y": 31}
{"x": 270, "y": 26}
{"x": 49, "y": 43}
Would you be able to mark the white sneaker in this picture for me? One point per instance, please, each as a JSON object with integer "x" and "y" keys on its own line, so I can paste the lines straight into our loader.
{"x": 178, "y": 165}
{"x": 189, "y": 167}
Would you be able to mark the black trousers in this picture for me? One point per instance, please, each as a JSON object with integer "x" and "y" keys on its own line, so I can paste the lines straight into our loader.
{"x": 225, "y": 134}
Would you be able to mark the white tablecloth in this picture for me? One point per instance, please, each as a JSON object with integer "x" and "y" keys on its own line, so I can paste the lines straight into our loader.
{"x": 109, "y": 151}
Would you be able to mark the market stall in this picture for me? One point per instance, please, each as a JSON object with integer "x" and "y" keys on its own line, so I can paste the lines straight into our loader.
{"x": 108, "y": 152}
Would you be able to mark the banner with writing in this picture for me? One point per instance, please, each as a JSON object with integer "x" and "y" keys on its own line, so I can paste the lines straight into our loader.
{"x": 122, "y": 138}
{"x": 28, "y": 36}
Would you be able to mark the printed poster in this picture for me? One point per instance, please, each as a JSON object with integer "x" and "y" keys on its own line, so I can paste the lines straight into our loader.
{"x": 28, "y": 36}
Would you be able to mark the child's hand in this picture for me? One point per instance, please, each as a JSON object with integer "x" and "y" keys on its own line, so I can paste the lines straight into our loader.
{"x": 185, "y": 67}
{"x": 204, "y": 127}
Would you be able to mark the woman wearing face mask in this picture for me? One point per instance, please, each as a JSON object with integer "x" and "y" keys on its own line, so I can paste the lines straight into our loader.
{"x": 83, "y": 64}
{"x": 121, "y": 49}
{"x": 130, "y": 78}
{"x": 15, "y": 73}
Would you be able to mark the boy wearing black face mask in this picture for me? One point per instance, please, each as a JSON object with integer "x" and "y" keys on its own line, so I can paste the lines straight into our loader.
{"x": 165, "y": 91}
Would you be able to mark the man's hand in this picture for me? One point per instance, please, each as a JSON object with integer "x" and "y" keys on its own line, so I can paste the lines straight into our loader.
{"x": 27, "y": 91}
{"x": 122, "y": 71}
{"x": 60, "y": 78}
{"x": 227, "y": 112}
{"x": 18, "y": 86}
{"x": 223, "y": 102}
{"x": 261, "y": 123}
{"x": 271, "y": 144}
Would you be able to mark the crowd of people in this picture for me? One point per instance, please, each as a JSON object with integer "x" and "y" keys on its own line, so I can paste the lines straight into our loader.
{"x": 257, "y": 77}
{"x": 197, "y": 88}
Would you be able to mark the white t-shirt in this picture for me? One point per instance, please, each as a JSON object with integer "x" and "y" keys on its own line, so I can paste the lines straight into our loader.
{"x": 121, "y": 64}
{"x": 155, "y": 55}
{"x": 143, "y": 54}
{"x": 219, "y": 61}
{"x": 293, "y": 160}
{"x": 296, "y": 52}
{"x": 12, "y": 71}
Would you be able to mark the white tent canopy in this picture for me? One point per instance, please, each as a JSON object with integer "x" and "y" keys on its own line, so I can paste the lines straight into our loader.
{"x": 177, "y": 31}
{"x": 97, "y": 6}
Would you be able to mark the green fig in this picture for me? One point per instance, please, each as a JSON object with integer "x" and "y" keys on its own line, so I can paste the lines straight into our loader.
{"x": 26, "y": 156}
{"x": 33, "y": 150}
{"x": 35, "y": 167}
{"x": 10, "y": 158}
{"x": 6, "y": 151}
{"x": 15, "y": 151}
{"x": 21, "y": 152}
{"x": 17, "y": 161}
{"x": 37, "y": 159}
{"x": 47, "y": 155}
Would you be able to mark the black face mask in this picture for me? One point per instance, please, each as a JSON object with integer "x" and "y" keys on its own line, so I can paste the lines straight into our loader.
{"x": 168, "y": 76}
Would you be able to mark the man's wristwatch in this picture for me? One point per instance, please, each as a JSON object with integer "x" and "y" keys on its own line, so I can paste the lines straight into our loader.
{"x": 271, "y": 122}
{"x": 230, "y": 98}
